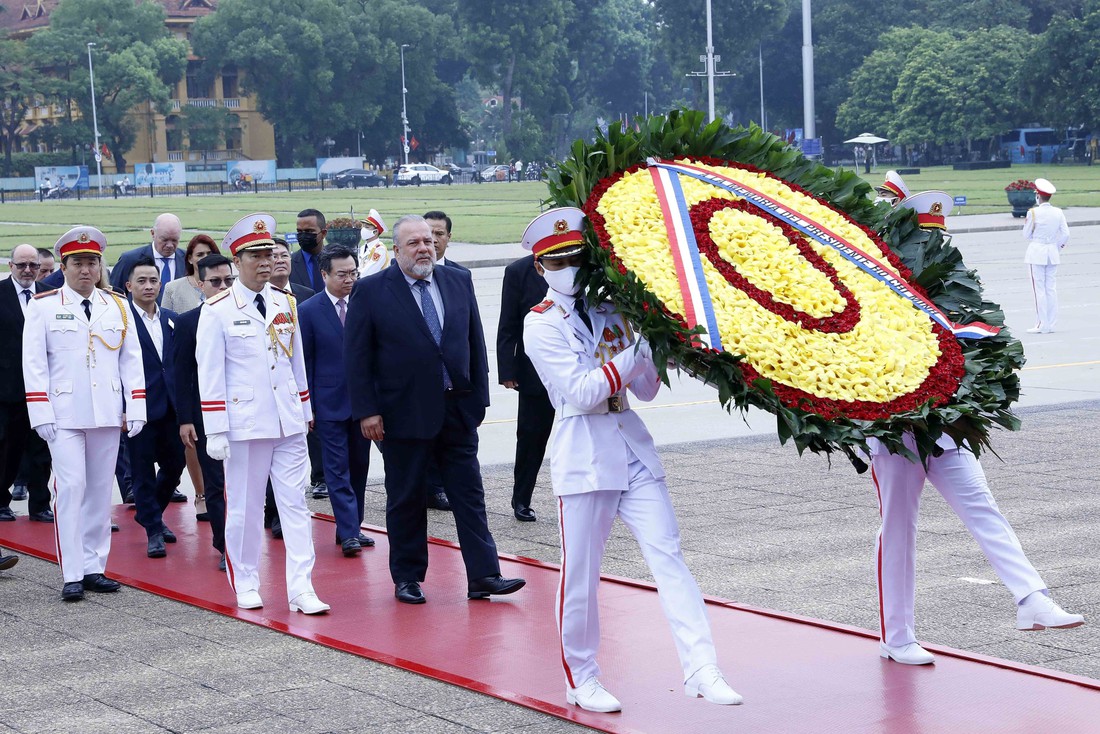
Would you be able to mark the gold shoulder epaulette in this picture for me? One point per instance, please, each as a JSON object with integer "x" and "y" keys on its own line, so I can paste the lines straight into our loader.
{"x": 43, "y": 294}
{"x": 218, "y": 297}
{"x": 542, "y": 307}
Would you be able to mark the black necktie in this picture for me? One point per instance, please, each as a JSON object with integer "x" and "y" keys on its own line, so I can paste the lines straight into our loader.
{"x": 87, "y": 308}
{"x": 27, "y": 295}
{"x": 578, "y": 306}
{"x": 260, "y": 305}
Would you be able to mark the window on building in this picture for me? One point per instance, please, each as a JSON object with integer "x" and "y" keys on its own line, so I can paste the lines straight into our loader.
{"x": 234, "y": 138}
{"x": 197, "y": 86}
{"x": 230, "y": 83}
{"x": 172, "y": 133}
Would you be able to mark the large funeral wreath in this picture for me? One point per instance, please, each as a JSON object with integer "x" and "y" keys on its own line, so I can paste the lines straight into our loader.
{"x": 775, "y": 318}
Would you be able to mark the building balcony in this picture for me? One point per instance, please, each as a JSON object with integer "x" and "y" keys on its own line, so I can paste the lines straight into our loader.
{"x": 233, "y": 103}
{"x": 196, "y": 156}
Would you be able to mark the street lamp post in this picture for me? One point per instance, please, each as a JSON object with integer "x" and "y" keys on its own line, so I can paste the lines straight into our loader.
{"x": 404, "y": 110}
{"x": 710, "y": 60}
{"x": 95, "y": 122}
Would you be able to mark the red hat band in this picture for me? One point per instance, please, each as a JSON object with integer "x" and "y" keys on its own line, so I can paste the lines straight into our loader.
{"x": 557, "y": 242}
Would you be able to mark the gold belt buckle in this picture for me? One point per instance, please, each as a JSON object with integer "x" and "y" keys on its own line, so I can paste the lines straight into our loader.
{"x": 615, "y": 404}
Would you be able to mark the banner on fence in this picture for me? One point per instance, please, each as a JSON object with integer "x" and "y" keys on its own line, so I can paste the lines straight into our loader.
{"x": 250, "y": 172}
{"x": 328, "y": 167}
{"x": 160, "y": 174}
{"x": 74, "y": 177}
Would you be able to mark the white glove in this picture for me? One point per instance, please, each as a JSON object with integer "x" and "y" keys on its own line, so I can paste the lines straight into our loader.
{"x": 47, "y": 431}
{"x": 644, "y": 350}
{"x": 217, "y": 446}
{"x": 133, "y": 428}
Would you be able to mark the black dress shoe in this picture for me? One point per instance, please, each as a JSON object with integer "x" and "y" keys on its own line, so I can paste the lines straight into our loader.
{"x": 99, "y": 583}
{"x": 366, "y": 541}
{"x": 524, "y": 513}
{"x": 482, "y": 588}
{"x": 409, "y": 592}
{"x": 221, "y": 563}
{"x": 6, "y": 515}
{"x": 128, "y": 498}
{"x": 72, "y": 591}
{"x": 19, "y": 492}
{"x": 7, "y": 562}
{"x": 156, "y": 549}
{"x": 169, "y": 536}
{"x": 439, "y": 501}
{"x": 319, "y": 491}
{"x": 276, "y": 529}
{"x": 44, "y": 516}
{"x": 114, "y": 528}
{"x": 178, "y": 496}
{"x": 202, "y": 516}
{"x": 350, "y": 547}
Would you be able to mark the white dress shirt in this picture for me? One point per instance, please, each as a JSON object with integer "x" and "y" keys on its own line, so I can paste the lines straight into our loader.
{"x": 152, "y": 325}
{"x": 19, "y": 294}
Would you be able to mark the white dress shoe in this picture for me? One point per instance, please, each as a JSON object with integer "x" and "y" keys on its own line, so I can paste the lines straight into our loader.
{"x": 249, "y": 600}
{"x": 1039, "y": 611}
{"x": 911, "y": 654}
{"x": 308, "y": 603}
{"x": 709, "y": 683}
{"x": 591, "y": 696}
{"x": 1035, "y": 330}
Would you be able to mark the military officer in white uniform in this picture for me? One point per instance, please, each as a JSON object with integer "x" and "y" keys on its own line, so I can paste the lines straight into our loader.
{"x": 958, "y": 476}
{"x": 1047, "y": 233}
{"x": 373, "y": 255}
{"x": 256, "y": 409}
{"x": 84, "y": 379}
{"x": 604, "y": 465}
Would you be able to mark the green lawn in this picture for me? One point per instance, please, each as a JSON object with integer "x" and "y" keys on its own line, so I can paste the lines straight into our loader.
{"x": 487, "y": 213}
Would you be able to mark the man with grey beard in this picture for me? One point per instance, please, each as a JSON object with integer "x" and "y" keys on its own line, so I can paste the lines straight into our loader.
{"x": 418, "y": 379}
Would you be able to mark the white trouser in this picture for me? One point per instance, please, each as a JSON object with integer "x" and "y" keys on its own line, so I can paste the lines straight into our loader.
{"x": 585, "y": 521}
{"x": 83, "y": 470}
{"x": 1046, "y": 296}
{"x": 247, "y": 469}
{"x": 959, "y": 478}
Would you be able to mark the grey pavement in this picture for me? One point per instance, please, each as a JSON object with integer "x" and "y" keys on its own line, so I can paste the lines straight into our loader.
{"x": 760, "y": 526}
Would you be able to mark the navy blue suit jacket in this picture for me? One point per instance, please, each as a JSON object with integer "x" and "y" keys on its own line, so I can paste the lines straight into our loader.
{"x": 394, "y": 367}
{"x": 121, "y": 271}
{"x": 159, "y": 372}
{"x": 54, "y": 280}
{"x": 323, "y": 349}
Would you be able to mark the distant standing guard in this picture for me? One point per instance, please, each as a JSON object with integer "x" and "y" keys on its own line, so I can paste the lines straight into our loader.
{"x": 83, "y": 373}
{"x": 255, "y": 407}
{"x": 604, "y": 465}
{"x": 1047, "y": 233}
{"x": 373, "y": 255}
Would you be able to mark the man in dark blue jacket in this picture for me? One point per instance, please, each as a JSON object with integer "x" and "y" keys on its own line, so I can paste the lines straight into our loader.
{"x": 159, "y": 444}
{"x": 215, "y": 276}
{"x": 345, "y": 452}
{"x": 419, "y": 382}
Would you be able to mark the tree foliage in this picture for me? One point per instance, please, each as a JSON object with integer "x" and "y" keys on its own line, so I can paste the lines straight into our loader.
{"x": 135, "y": 62}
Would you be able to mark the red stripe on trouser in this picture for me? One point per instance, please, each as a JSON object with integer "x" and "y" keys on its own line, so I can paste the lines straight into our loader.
{"x": 1035, "y": 297}
{"x": 561, "y": 596}
{"x": 56, "y": 522}
{"x": 228, "y": 561}
{"x": 878, "y": 556}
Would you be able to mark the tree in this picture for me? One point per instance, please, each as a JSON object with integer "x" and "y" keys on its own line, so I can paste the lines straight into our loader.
{"x": 1058, "y": 78}
{"x": 136, "y": 60}
{"x": 19, "y": 81}
{"x": 205, "y": 127}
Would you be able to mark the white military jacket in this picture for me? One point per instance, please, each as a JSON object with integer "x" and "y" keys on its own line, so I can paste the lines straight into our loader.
{"x": 82, "y": 373}
{"x": 581, "y": 370}
{"x": 1047, "y": 232}
{"x": 252, "y": 376}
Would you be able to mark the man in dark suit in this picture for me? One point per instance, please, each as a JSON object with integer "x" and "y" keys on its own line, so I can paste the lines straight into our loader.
{"x": 418, "y": 380}
{"x": 164, "y": 251}
{"x": 345, "y": 452}
{"x": 305, "y": 265}
{"x": 159, "y": 443}
{"x": 523, "y": 289}
{"x": 215, "y": 276}
{"x": 16, "y": 437}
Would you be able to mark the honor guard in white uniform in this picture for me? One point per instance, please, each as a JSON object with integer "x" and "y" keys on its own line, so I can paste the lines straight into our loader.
{"x": 892, "y": 190}
{"x": 958, "y": 476}
{"x": 373, "y": 255}
{"x": 1047, "y": 233}
{"x": 84, "y": 378}
{"x": 256, "y": 410}
{"x": 604, "y": 465}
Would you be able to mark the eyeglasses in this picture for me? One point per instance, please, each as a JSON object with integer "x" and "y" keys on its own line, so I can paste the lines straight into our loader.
{"x": 25, "y": 266}
{"x": 345, "y": 274}
{"x": 217, "y": 282}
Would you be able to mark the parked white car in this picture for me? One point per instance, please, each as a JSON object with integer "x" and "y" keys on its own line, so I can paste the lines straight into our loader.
{"x": 417, "y": 173}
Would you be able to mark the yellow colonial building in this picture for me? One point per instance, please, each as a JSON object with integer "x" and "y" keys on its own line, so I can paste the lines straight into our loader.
{"x": 160, "y": 136}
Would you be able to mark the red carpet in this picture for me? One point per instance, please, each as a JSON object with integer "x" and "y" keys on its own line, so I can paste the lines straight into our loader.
{"x": 796, "y": 674}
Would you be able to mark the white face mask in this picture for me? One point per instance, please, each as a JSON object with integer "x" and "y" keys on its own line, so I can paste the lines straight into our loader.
{"x": 563, "y": 281}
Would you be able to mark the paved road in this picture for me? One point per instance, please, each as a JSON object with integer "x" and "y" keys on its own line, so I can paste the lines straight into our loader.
{"x": 760, "y": 526}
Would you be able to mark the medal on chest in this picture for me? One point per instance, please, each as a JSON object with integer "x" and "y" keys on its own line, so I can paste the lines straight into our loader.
{"x": 281, "y": 333}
